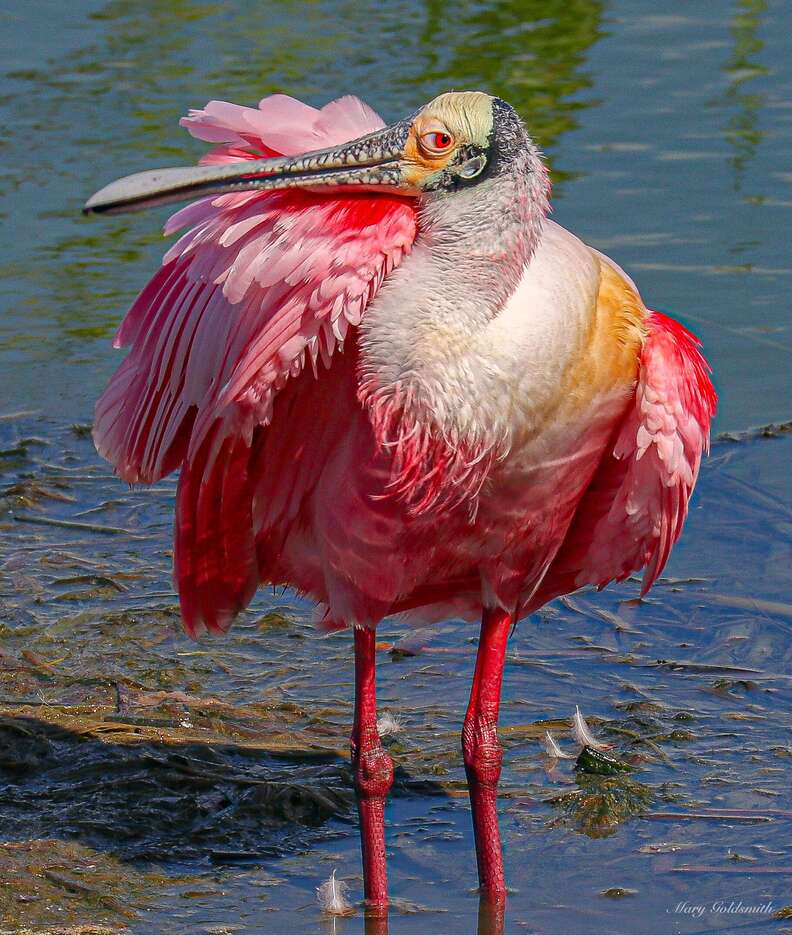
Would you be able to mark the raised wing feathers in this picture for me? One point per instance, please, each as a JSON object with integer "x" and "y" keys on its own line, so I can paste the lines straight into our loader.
{"x": 260, "y": 284}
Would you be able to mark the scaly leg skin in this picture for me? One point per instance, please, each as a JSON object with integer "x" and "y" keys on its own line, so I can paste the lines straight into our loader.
{"x": 373, "y": 770}
{"x": 483, "y": 755}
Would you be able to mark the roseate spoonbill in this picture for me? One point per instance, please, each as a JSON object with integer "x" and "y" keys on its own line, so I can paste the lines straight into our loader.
{"x": 507, "y": 421}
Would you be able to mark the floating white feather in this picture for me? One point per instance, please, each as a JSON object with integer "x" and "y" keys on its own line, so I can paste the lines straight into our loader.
{"x": 389, "y": 724}
{"x": 583, "y": 734}
{"x": 553, "y": 750}
{"x": 332, "y": 896}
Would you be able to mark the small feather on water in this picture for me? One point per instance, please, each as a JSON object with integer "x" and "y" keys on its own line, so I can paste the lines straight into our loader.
{"x": 583, "y": 734}
{"x": 553, "y": 750}
{"x": 332, "y": 896}
{"x": 389, "y": 724}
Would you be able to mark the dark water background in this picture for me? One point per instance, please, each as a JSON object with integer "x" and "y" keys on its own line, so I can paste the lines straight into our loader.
{"x": 669, "y": 132}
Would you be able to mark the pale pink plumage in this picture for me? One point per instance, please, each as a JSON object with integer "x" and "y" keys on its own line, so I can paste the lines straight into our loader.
{"x": 290, "y": 473}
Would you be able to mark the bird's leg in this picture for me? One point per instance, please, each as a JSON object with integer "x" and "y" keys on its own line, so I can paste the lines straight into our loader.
{"x": 482, "y": 752}
{"x": 373, "y": 769}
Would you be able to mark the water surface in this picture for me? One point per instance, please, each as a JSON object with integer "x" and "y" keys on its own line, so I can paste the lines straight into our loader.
{"x": 668, "y": 136}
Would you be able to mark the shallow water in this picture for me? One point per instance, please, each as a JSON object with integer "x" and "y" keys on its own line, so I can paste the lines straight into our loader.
{"x": 151, "y": 783}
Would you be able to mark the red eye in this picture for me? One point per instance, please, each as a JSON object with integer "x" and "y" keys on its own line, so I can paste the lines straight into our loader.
{"x": 436, "y": 142}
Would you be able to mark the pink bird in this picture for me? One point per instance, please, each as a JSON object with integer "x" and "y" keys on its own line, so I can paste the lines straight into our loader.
{"x": 391, "y": 382}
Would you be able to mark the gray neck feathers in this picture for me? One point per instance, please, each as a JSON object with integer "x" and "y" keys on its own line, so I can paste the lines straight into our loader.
{"x": 482, "y": 237}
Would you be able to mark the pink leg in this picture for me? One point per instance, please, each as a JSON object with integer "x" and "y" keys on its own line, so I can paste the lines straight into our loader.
{"x": 482, "y": 753}
{"x": 373, "y": 770}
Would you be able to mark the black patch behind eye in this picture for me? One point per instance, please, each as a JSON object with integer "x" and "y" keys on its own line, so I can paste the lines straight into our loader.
{"x": 508, "y": 136}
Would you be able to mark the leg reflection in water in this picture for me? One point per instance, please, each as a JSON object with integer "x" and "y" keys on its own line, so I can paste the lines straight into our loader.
{"x": 491, "y": 920}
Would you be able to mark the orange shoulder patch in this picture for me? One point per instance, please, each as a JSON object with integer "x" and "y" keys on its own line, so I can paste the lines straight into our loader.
{"x": 612, "y": 351}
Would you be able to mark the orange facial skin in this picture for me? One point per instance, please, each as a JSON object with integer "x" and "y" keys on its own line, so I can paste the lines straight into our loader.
{"x": 421, "y": 158}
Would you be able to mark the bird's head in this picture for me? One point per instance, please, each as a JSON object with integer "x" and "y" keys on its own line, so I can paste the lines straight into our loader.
{"x": 452, "y": 143}
{"x": 458, "y": 140}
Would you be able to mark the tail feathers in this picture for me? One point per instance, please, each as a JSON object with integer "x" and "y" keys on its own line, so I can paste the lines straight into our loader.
{"x": 215, "y": 569}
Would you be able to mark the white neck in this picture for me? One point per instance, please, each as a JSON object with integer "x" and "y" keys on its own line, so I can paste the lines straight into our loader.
{"x": 435, "y": 342}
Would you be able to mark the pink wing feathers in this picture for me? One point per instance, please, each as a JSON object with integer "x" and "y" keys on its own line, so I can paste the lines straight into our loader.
{"x": 633, "y": 511}
{"x": 260, "y": 284}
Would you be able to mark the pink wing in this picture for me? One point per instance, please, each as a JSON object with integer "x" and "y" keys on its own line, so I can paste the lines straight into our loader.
{"x": 633, "y": 511}
{"x": 260, "y": 284}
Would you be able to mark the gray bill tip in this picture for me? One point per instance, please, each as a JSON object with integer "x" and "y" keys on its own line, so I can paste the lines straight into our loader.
{"x": 126, "y": 191}
{"x": 153, "y": 187}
